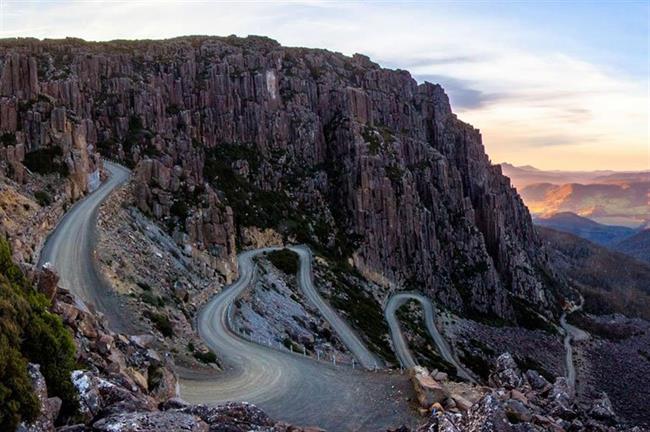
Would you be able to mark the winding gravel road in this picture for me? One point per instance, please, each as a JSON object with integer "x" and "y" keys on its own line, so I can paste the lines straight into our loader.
{"x": 571, "y": 333}
{"x": 70, "y": 249}
{"x": 289, "y": 386}
{"x": 343, "y": 330}
{"x": 286, "y": 385}
{"x": 399, "y": 342}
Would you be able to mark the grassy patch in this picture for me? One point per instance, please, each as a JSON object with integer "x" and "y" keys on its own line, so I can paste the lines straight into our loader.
{"x": 152, "y": 299}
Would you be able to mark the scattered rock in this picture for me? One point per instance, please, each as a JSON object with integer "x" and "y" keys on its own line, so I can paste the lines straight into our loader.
{"x": 506, "y": 373}
{"x": 151, "y": 421}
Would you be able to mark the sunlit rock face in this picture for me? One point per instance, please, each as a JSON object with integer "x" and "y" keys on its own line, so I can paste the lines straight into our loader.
{"x": 228, "y": 133}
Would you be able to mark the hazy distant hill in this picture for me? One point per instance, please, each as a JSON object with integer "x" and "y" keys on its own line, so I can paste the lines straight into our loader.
{"x": 617, "y": 198}
{"x": 637, "y": 245}
{"x": 522, "y": 176}
{"x": 586, "y": 228}
{"x": 610, "y": 281}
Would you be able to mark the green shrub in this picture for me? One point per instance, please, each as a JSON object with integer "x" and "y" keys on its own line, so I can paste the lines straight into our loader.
{"x": 154, "y": 377}
{"x": 152, "y": 299}
{"x": 30, "y": 333}
{"x": 179, "y": 209}
{"x": 162, "y": 323}
{"x": 46, "y": 160}
{"x": 17, "y": 400}
{"x": 8, "y": 138}
{"x": 285, "y": 260}
{"x": 43, "y": 198}
{"x": 206, "y": 357}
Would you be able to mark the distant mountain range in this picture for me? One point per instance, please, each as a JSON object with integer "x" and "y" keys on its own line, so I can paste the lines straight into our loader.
{"x": 632, "y": 242}
{"x": 637, "y": 245}
{"x": 522, "y": 176}
{"x": 586, "y": 228}
{"x": 611, "y": 282}
{"x": 608, "y": 197}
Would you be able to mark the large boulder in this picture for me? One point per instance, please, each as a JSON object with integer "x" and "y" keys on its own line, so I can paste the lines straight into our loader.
{"x": 47, "y": 281}
{"x": 602, "y": 409}
{"x": 98, "y": 395}
{"x": 561, "y": 400}
{"x": 231, "y": 417}
{"x": 516, "y": 411}
{"x": 427, "y": 389}
{"x": 506, "y": 373}
{"x": 50, "y": 407}
{"x": 536, "y": 381}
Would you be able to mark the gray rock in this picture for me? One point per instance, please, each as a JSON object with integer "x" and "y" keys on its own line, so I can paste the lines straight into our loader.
{"x": 536, "y": 381}
{"x": 602, "y": 408}
{"x": 516, "y": 411}
{"x": 506, "y": 373}
{"x": 150, "y": 422}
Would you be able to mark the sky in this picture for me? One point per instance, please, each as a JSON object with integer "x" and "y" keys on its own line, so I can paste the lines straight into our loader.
{"x": 553, "y": 84}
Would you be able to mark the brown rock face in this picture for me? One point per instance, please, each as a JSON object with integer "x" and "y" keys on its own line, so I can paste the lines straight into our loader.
{"x": 47, "y": 281}
{"x": 227, "y": 133}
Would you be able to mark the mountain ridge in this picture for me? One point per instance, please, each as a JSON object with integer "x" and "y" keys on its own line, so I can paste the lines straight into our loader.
{"x": 212, "y": 125}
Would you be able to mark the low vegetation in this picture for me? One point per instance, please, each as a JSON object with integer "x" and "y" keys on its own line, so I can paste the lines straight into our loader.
{"x": 285, "y": 260}
{"x": 8, "y": 138}
{"x": 205, "y": 357}
{"x": 421, "y": 344}
{"x": 43, "y": 198}
{"x": 609, "y": 281}
{"x": 162, "y": 323}
{"x": 46, "y": 160}
{"x": 362, "y": 310}
{"x": 30, "y": 333}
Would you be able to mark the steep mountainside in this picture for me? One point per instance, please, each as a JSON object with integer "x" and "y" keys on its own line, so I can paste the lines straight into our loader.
{"x": 586, "y": 228}
{"x": 609, "y": 281}
{"x": 637, "y": 245}
{"x": 228, "y": 133}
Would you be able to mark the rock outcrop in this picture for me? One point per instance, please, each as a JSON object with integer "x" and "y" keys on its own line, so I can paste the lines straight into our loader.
{"x": 526, "y": 403}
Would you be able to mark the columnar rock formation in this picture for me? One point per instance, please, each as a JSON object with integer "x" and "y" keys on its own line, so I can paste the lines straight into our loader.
{"x": 227, "y": 133}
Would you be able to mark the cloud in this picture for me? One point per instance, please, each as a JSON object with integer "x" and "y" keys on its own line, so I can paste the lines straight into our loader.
{"x": 430, "y": 61}
{"x": 557, "y": 140}
{"x": 461, "y": 93}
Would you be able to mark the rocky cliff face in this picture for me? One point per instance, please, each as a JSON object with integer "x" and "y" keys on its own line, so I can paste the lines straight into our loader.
{"x": 229, "y": 133}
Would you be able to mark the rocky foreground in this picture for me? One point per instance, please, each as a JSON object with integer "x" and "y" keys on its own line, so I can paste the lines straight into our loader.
{"x": 515, "y": 401}
{"x": 125, "y": 385}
